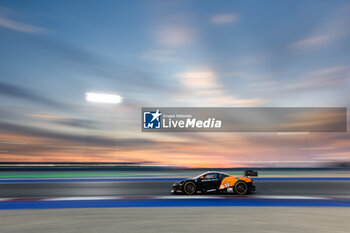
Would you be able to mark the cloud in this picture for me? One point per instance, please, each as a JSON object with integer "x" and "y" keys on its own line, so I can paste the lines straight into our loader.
{"x": 17, "y": 26}
{"x": 158, "y": 55}
{"x": 129, "y": 78}
{"x": 323, "y": 78}
{"x": 66, "y": 121}
{"x": 224, "y": 18}
{"x": 175, "y": 35}
{"x": 334, "y": 28}
{"x": 312, "y": 41}
{"x": 228, "y": 100}
{"x": 198, "y": 79}
{"x": 203, "y": 85}
{"x": 131, "y": 143}
{"x": 47, "y": 116}
{"x": 26, "y": 94}
{"x": 77, "y": 123}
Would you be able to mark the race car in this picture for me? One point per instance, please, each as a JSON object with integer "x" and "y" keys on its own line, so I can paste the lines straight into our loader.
{"x": 216, "y": 182}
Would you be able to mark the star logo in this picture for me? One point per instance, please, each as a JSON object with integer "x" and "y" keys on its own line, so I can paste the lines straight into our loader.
{"x": 152, "y": 119}
{"x": 156, "y": 115}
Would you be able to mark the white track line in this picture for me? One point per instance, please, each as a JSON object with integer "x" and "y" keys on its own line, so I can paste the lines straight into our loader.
{"x": 290, "y": 197}
{"x": 6, "y": 199}
{"x": 80, "y": 198}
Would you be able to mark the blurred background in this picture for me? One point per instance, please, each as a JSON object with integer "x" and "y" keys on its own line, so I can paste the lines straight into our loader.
{"x": 168, "y": 54}
{"x": 64, "y": 150}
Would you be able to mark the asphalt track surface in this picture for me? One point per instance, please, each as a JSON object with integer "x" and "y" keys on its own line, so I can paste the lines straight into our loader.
{"x": 177, "y": 219}
{"x": 154, "y": 188}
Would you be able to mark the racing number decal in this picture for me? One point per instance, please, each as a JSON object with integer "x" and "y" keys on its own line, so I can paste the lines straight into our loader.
{"x": 226, "y": 185}
{"x": 228, "y": 182}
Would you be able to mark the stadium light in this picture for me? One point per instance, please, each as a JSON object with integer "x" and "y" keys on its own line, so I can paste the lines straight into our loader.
{"x": 103, "y": 98}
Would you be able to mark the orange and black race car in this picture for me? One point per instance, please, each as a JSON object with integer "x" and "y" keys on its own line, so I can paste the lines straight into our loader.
{"x": 216, "y": 182}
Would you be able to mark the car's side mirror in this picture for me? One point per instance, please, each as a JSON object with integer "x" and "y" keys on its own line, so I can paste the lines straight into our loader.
{"x": 202, "y": 177}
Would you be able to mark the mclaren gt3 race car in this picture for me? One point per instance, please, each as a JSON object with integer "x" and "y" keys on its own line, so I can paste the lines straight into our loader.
{"x": 216, "y": 182}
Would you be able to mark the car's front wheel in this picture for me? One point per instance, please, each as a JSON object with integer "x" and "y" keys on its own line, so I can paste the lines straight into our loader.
{"x": 190, "y": 188}
{"x": 241, "y": 188}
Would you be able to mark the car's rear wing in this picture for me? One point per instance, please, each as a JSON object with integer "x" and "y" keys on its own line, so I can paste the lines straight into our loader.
{"x": 250, "y": 173}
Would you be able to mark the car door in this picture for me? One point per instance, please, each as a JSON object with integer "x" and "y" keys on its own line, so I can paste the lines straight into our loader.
{"x": 210, "y": 182}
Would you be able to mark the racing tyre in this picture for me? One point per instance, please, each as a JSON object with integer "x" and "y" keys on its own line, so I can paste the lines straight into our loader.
{"x": 190, "y": 188}
{"x": 241, "y": 188}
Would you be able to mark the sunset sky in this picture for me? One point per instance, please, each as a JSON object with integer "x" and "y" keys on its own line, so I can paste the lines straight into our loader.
{"x": 168, "y": 54}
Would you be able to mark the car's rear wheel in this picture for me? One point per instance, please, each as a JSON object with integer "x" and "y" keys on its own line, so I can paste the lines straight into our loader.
{"x": 190, "y": 188}
{"x": 241, "y": 188}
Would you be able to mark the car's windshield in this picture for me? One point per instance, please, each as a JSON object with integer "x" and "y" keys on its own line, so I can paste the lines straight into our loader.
{"x": 224, "y": 174}
{"x": 205, "y": 173}
{"x": 196, "y": 177}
